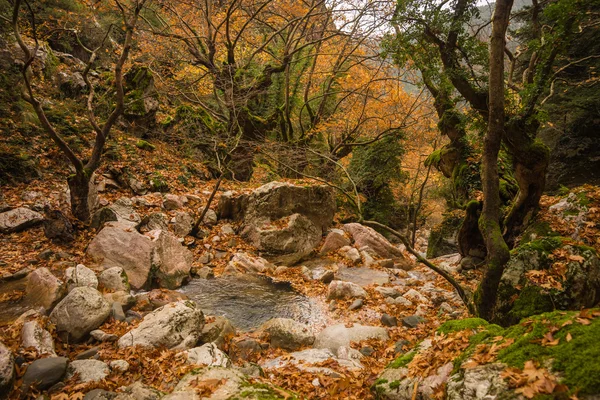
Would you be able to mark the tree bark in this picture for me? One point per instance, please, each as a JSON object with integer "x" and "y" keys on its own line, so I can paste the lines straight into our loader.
{"x": 79, "y": 187}
{"x": 489, "y": 222}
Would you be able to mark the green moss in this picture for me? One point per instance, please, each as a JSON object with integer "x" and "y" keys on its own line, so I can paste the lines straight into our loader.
{"x": 380, "y": 381}
{"x": 394, "y": 385}
{"x": 434, "y": 158}
{"x": 262, "y": 391}
{"x": 461, "y": 325}
{"x": 543, "y": 246}
{"x": 403, "y": 360}
{"x": 531, "y": 301}
{"x": 537, "y": 230}
{"x": 144, "y": 145}
{"x": 159, "y": 183}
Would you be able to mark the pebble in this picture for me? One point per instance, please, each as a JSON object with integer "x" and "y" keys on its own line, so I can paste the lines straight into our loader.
{"x": 358, "y": 303}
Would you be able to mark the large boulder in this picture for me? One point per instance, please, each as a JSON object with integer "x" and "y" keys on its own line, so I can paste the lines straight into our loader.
{"x": 287, "y": 334}
{"x": 119, "y": 245}
{"x": 172, "y": 261}
{"x": 80, "y": 312}
{"x": 7, "y": 371}
{"x": 284, "y": 221}
{"x": 44, "y": 289}
{"x": 19, "y": 219}
{"x": 535, "y": 280}
{"x": 337, "y": 336}
{"x": 373, "y": 242}
{"x": 175, "y": 325}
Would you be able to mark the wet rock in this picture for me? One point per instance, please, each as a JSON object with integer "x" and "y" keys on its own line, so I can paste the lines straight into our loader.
{"x": 114, "y": 279}
{"x": 358, "y": 303}
{"x": 7, "y": 371}
{"x": 44, "y": 289}
{"x": 175, "y": 325}
{"x": 45, "y": 372}
{"x": 287, "y": 334}
{"x": 121, "y": 246}
{"x": 337, "y": 336}
{"x": 209, "y": 355}
{"x": 412, "y": 321}
{"x": 344, "y": 290}
{"x": 80, "y": 276}
{"x": 388, "y": 320}
{"x": 378, "y": 245}
{"x": 172, "y": 261}
{"x": 88, "y": 370}
{"x": 34, "y": 335}
{"x": 19, "y": 219}
{"x": 336, "y": 239}
{"x": 479, "y": 383}
{"x": 80, "y": 312}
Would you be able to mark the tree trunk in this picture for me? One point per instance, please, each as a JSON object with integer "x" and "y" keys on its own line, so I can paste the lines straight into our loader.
{"x": 79, "y": 187}
{"x": 489, "y": 222}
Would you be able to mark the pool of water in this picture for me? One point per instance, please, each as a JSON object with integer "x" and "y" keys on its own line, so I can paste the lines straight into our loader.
{"x": 248, "y": 301}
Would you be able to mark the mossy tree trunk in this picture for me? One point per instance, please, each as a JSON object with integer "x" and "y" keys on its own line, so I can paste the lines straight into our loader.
{"x": 489, "y": 222}
{"x": 79, "y": 187}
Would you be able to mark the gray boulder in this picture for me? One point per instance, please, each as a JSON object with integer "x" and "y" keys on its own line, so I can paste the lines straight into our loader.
{"x": 175, "y": 325}
{"x": 80, "y": 312}
{"x": 172, "y": 260}
{"x": 44, "y": 289}
{"x": 45, "y": 372}
{"x": 114, "y": 279}
{"x": 80, "y": 276}
{"x": 119, "y": 245}
{"x": 88, "y": 370}
{"x": 285, "y": 333}
{"x": 19, "y": 219}
{"x": 7, "y": 371}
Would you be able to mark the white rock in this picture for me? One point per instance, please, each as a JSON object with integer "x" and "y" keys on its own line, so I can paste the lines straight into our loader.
{"x": 87, "y": 370}
{"x": 114, "y": 279}
{"x": 119, "y": 366}
{"x": 336, "y": 336}
{"x": 80, "y": 276}
{"x": 209, "y": 355}
{"x": 33, "y": 335}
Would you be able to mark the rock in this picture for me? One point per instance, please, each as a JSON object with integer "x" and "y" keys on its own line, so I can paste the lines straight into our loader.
{"x": 469, "y": 262}
{"x": 376, "y": 244}
{"x": 7, "y": 371}
{"x": 100, "y": 394}
{"x": 88, "y": 370}
{"x": 218, "y": 332}
{"x": 210, "y": 218}
{"x": 394, "y": 383}
{"x": 323, "y": 275}
{"x": 173, "y": 201}
{"x": 80, "y": 312}
{"x": 172, "y": 261}
{"x": 367, "y": 351}
{"x": 351, "y": 254}
{"x": 246, "y": 348}
{"x": 119, "y": 366}
{"x": 161, "y": 297}
{"x": 71, "y": 84}
{"x": 388, "y": 320}
{"x": 34, "y": 335}
{"x": 287, "y": 334}
{"x": 304, "y": 360}
{"x": 401, "y": 301}
{"x": 443, "y": 238}
{"x": 388, "y": 291}
{"x": 114, "y": 279}
{"x": 139, "y": 391}
{"x": 44, "y": 289}
{"x": 209, "y": 355}
{"x": 205, "y": 258}
{"x": 344, "y": 290}
{"x": 19, "y": 219}
{"x": 121, "y": 246}
{"x": 244, "y": 262}
{"x": 204, "y": 273}
{"x": 182, "y": 223}
{"x": 116, "y": 311}
{"x": 518, "y": 297}
{"x": 45, "y": 372}
{"x": 478, "y": 383}
{"x": 121, "y": 211}
{"x": 358, "y": 303}
{"x": 102, "y": 336}
{"x": 337, "y": 336}
{"x": 227, "y": 230}
{"x": 57, "y": 226}
{"x": 175, "y": 325}
{"x": 125, "y": 299}
{"x": 80, "y": 276}
{"x": 154, "y": 221}
{"x": 87, "y": 354}
{"x": 415, "y": 296}
{"x": 412, "y": 321}
{"x": 336, "y": 239}
{"x": 284, "y": 221}
{"x": 233, "y": 384}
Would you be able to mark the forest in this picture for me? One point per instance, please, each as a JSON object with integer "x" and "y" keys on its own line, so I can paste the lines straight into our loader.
{"x": 299, "y": 199}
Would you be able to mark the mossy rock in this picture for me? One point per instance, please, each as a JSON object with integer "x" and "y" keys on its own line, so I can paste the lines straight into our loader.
{"x": 144, "y": 145}
{"x": 443, "y": 237}
{"x": 578, "y": 286}
{"x": 17, "y": 168}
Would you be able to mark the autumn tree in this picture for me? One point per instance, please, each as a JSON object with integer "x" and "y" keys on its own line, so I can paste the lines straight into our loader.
{"x": 80, "y": 184}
